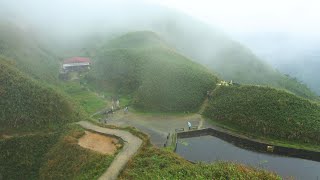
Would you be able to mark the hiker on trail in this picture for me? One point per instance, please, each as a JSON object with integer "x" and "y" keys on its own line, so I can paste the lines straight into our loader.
{"x": 112, "y": 108}
{"x": 126, "y": 110}
{"x": 208, "y": 94}
{"x": 113, "y": 103}
{"x": 189, "y": 125}
{"x": 118, "y": 103}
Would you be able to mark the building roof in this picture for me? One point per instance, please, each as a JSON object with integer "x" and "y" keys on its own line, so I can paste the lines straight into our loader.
{"x": 77, "y": 60}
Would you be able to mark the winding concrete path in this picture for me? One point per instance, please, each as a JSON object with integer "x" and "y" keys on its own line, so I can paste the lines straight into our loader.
{"x": 131, "y": 146}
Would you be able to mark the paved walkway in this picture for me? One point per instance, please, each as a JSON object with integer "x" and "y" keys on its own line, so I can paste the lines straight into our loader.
{"x": 131, "y": 146}
{"x": 157, "y": 126}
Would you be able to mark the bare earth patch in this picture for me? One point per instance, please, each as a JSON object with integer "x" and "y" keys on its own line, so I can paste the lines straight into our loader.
{"x": 4, "y": 136}
{"x": 100, "y": 143}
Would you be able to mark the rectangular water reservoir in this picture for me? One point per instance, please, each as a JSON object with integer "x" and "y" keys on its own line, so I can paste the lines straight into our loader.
{"x": 209, "y": 149}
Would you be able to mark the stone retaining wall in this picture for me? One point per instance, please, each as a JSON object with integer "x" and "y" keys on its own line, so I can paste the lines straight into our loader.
{"x": 253, "y": 145}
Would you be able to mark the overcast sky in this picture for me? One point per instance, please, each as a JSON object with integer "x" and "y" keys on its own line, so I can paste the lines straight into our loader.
{"x": 300, "y": 17}
{"x": 296, "y": 17}
{"x": 288, "y": 16}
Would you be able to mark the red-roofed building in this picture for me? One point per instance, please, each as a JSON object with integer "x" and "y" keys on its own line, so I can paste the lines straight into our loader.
{"x": 76, "y": 63}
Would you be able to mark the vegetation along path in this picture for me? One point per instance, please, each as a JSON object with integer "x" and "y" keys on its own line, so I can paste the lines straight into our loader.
{"x": 131, "y": 146}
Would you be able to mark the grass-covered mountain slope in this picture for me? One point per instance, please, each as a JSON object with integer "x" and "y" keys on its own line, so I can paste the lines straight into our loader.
{"x": 54, "y": 155}
{"x": 159, "y": 78}
{"x": 22, "y": 157}
{"x": 229, "y": 58}
{"x": 241, "y": 65}
{"x": 156, "y": 163}
{"x": 266, "y": 112}
{"x": 29, "y": 55}
{"x": 138, "y": 39}
{"x": 68, "y": 160}
{"x": 28, "y": 104}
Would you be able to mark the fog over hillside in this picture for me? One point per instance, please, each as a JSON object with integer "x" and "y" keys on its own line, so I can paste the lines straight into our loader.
{"x": 138, "y": 89}
{"x": 80, "y": 24}
{"x": 283, "y": 33}
{"x": 297, "y": 56}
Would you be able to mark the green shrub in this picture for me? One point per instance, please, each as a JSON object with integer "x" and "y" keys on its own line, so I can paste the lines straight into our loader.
{"x": 22, "y": 157}
{"x": 28, "y": 104}
{"x": 154, "y": 163}
{"x": 266, "y": 112}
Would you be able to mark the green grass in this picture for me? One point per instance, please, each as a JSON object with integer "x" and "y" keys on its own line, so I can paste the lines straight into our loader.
{"x": 22, "y": 157}
{"x": 155, "y": 163}
{"x": 54, "y": 155}
{"x": 67, "y": 160}
{"x": 158, "y": 78}
{"x": 27, "y": 104}
{"x": 266, "y": 112}
{"x": 90, "y": 102}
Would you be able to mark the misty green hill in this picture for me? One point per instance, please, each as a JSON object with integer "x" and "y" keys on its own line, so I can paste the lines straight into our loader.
{"x": 27, "y": 104}
{"x": 228, "y": 58}
{"x": 266, "y": 112}
{"x": 138, "y": 39}
{"x": 30, "y": 56}
{"x": 159, "y": 78}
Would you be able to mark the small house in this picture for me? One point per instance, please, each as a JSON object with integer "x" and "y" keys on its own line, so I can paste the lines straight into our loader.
{"x": 76, "y": 64}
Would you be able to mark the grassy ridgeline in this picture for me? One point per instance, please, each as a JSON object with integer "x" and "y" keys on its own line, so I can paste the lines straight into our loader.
{"x": 29, "y": 105}
{"x": 159, "y": 78}
{"x": 24, "y": 49}
{"x": 266, "y": 112}
{"x": 138, "y": 39}
{"x": 241, "y": 65}
{"x": 230, "y": 59}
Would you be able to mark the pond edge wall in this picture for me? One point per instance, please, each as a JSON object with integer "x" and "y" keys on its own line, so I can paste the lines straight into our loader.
{"x": 253, "y": 145}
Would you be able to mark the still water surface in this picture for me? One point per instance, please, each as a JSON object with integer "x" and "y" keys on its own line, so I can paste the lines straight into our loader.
{"x": 210, "y": 148}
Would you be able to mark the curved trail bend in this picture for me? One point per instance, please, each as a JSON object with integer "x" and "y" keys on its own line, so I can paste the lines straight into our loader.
{"x": 131, "y": 146}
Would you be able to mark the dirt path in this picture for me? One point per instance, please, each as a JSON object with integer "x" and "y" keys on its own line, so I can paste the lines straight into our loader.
{"x": 131, "y": 146}
{"x": 203, "y": 106}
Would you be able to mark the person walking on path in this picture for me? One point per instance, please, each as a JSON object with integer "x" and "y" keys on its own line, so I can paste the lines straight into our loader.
{"x": 189, "y": 125}
{"x": 118, "y": 103}
{"x": 126, "y": 110}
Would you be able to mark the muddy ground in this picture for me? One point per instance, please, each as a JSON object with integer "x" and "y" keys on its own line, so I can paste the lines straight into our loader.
{"x": 99, "y": 143}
